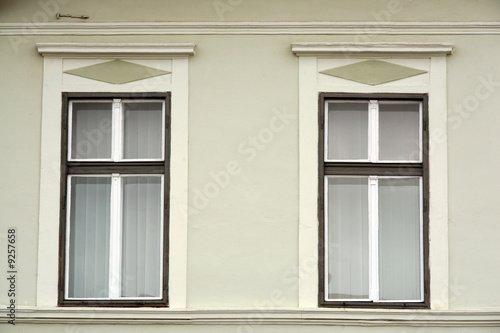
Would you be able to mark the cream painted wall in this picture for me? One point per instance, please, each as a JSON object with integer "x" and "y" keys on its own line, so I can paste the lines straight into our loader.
{"x": 246, "y": 238}
{"x": 20, "y": 96}
{"x": 249, "y": 10}
{"x": 242, "y": 248}
{"x": 474, "y": 164}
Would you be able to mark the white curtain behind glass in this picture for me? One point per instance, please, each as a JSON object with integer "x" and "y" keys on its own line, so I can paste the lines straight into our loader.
{"x": 347, "y": 131}
{"x": 399, "y": 131}
{"x": 399, "y": 239}
{"x": 348, "y": 238}
{"x": 141, "y": 236}
{"x": 142, "y": 130}
{"x": 91, "y": 130}
{"x": 89, "y": 237}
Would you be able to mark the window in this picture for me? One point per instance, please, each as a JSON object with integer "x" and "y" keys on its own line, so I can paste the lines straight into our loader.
{"x": 373, "y": 200}
{"x": 114, "y": 209}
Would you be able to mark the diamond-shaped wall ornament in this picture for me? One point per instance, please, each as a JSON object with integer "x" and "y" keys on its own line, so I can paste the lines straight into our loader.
{"x": 117, "y": 72}
{"x": 373, "y": 72}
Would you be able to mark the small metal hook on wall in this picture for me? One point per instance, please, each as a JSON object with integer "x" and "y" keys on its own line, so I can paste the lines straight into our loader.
{"x": 83, "y": 17}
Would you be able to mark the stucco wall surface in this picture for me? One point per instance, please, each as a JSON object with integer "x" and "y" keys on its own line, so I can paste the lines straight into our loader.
{"x": 254, "y": 10}
{"x": 243, "y": 243}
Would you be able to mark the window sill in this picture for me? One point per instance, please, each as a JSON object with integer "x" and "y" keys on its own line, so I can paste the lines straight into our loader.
{"x": 258, "y": 316}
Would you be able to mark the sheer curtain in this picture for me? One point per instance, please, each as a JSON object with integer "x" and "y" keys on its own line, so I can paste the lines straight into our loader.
{"x": 89, "y": 237}
{"x": 399, "y": 131}
{"x": 141, "y": 236}
{"x": 399, "y": 239}
{"x": 142, "y": 130}
{"x": 348, "y": 238}
{"x": 347, "y": 131}
{"x": 91, "y": 130}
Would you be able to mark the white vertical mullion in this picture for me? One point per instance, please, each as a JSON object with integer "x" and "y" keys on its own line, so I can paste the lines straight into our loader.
{"x": 420, "y": 132}
{"x": 68, "y": 233}
{"x": 164, "y": 119}
{"x": 115, "y": 238}
{"x": 69, "y": 132}
{"x": 373, "y": 238}
{"x": 116, "y": 144}
{"x": 162, "y": 228}
{"x": 326, "y": 132}
{"x": 326, "y": 238}
{"x": 373, "y": 134}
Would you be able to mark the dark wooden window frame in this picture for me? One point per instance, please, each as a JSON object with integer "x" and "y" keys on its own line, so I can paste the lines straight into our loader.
{"x": 82, "y": 167}
{"x": 366, "y": 169}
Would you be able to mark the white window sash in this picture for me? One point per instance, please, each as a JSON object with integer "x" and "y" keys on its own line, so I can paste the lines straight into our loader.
{"x": 117, "y": 130}
{"x": 373, "y": 135}
{"x": 68, "y": 233}
{"x": 373, "y": 238}
{"x": 373, "y": 226}
{"x": 115, "y": 252}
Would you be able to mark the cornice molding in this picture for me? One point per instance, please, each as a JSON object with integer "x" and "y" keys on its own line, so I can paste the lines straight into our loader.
{"x": 256, "y": 28}
{"x": 264, "y": 316}
{"x": 331, "y": 49}
{"x": 115, "y": 49}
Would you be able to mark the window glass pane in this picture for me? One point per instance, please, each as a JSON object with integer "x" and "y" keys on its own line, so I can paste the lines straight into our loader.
{"x": 347, "y": 131}
{"x": 399, "y": 238}
{"x": 399, "y": 131}
{"x": 143, "y": 130}
{"x": 91, "y": 130}
{"x": 347, "y": 238}
{"x": 141, "y": 236}
{"x": 89, "y": 237}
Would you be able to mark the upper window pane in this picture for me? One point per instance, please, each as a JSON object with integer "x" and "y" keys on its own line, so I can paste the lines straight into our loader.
{"x": 399, "y": 134}
{"x": 143, "y": 130}
{"x": 91, "y": 130}
{"x": 347, "y": 135}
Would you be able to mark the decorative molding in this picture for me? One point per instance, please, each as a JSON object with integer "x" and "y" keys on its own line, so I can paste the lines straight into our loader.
{"x": 310, "y": 85}
{"x": 373, "y": 72}
{"x": 330, "y": 49}
{"x": 244, "y": 28}
{"x": 55, "y": 82}
{"x": 314, "y": 317}
{"x": 120, "y": 50}
{"x": 116, "y": 72}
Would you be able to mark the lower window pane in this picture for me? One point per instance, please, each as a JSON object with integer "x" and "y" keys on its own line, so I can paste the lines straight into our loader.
{"x": 348, "y": 269}
{"x": 89, "y": 237}
{"x": 141, "y": 236}
{"x": 399, "y": 239}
